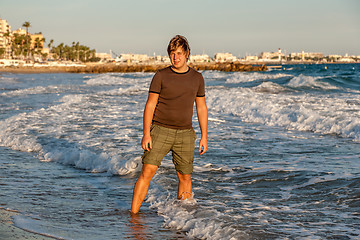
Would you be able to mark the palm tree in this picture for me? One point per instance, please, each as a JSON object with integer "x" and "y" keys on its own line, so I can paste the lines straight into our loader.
{"x": 61, "y": 50}
{"x": 50, "y": 47}
{"x": 38, "y": 46}
{"x": 77, "y": 50}
{"x": 51, "y": 43}
{"x": 27, "y": 25}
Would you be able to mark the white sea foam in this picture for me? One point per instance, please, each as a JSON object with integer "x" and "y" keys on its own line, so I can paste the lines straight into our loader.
{"x": 118, "y": 78}
{"x": 81, "y": 131}
{"x": 270, "y": 87}
{"x": 13, "y": 133}
{"x": 128, "y": 90}
{"x": 211, "y": 167}
{"x": 318, "y": 113}
{"x": 106, "y": 79}
{"x": 197, "y": 221}
{"x": 310, "y": 81}
{"x": 33, "y": 91}
{"x": 8, "y": 78}
{"x": 216, "y": 120}
{"x": 208, "y": 75}
{"x": 238, "y": 77}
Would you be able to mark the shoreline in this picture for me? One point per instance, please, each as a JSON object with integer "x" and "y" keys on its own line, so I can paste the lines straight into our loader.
{"x": 9, "y": 231}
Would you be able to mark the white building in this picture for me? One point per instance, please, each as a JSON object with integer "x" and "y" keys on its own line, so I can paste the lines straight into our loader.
{"x": 306, "y": 55}
{"x": 134, "y": 58}
{"x": 274, "y": 56}
{"x": 199, "y": 58}
{"x": 19, "y": 31}
{"x": 104, "y": 56}
{"x": 162, "y": 59}
{"x": 5, "y": 40}
{"x": 335, "y": 56}
{"x": 251, "y": 58}
{"x": 225, "y": 57}
{"x": 346, "y": 60}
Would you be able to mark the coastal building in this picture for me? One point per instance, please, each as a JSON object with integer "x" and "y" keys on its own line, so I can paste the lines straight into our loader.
{"x": 273, "y": 56}
{"x": 19, "y": 31}
{"x": 251, "y": 58}
{"x": 37, "y": 41}
{"x": 225, "y": 57}
{"x": 347, "y": 59}
{"x": 199, "y": 58}
{"x": 5, "y": 39}
{"x": 315, "y": 55}
{"x": 132, "y": 58}
{"x": 162, "y": 59}
{"x": 334, "y": 57}
{"x": 306, "y": 55}
{"x": 104, "y": 56}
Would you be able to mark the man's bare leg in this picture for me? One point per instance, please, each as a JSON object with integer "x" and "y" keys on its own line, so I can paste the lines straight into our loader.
{"x": 185, "y": 187}
{"x": 142, "y": 186}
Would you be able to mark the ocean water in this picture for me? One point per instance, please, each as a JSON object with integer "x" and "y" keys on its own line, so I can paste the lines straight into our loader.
{"x": 283, "y": 159}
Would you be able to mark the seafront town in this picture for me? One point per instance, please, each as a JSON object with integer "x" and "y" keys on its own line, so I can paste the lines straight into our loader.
{"x": 21, "y": 50}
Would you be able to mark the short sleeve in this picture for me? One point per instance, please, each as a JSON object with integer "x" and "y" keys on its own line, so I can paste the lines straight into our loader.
{"x": 155, "y": 86}
{"x": 201, "y": 89}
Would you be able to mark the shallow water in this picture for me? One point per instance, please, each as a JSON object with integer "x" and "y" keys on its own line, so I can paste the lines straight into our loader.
{"x": 283, "y": 159}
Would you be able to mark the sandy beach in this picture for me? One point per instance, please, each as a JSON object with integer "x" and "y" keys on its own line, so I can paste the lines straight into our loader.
{"x": 8, "y": 230}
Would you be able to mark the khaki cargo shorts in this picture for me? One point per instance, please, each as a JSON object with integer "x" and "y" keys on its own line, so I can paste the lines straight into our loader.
{"x": 180, "y": 142}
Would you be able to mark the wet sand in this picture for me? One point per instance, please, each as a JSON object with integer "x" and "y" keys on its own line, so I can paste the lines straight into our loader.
{"x": 8, "y": 231}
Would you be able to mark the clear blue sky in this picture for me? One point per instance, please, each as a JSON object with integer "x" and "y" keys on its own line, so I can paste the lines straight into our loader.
{"x": 237, "y": 26}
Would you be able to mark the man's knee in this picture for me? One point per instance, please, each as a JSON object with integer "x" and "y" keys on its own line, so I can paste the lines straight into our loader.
{"x": 148, "y": 171}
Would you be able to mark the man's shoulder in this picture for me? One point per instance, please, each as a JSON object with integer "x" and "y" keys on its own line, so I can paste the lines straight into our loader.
{"x": 195, "y": 72}
{"x": 163, "y": 70}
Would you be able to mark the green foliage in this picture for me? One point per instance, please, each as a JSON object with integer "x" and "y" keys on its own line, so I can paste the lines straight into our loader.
{"x": 75, "y": 52}
{"x": 2, "y": 52}
{"x": 94, "y": 59}
{"x": 21, "y": 46}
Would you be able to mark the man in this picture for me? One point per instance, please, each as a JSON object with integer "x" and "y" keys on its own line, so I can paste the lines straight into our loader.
{"x": 167, "y": 121}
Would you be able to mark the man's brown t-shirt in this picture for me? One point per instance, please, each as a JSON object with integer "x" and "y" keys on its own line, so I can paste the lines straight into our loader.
{"x": 177, "y": 93}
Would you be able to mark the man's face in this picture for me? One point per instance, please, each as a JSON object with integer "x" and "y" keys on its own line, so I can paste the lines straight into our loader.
{"x": 179, "y": 59}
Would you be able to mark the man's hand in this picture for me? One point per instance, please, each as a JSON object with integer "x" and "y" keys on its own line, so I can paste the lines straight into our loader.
{"x": 203, "y": 146}
{"x": 146, "y": 143}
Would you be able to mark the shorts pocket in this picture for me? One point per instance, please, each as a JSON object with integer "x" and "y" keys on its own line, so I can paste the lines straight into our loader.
{"x": 153, "y": 129}
{"x": 194, "y": 134}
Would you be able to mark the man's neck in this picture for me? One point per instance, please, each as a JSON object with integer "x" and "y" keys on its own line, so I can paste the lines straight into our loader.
{"x": 182, "y": 70}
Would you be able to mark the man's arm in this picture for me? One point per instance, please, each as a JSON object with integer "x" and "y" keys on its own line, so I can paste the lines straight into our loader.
{"x": 146, "y": 142}
{"x": 202, "y": 113}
